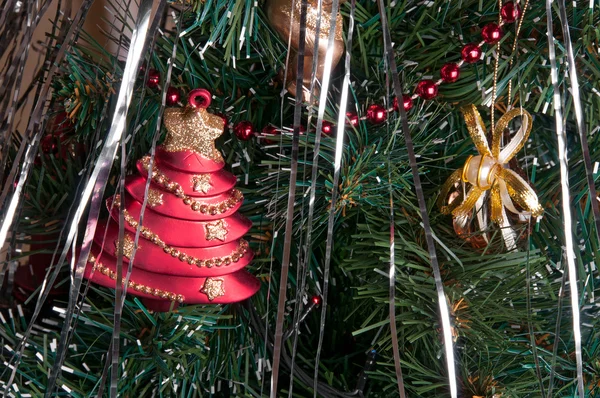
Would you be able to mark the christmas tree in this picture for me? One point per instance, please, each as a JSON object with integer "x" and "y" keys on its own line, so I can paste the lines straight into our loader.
{"x": 418, "y": 184}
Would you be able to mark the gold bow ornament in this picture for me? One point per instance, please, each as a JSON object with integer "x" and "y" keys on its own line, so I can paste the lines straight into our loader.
{"x": 486, "y": 175}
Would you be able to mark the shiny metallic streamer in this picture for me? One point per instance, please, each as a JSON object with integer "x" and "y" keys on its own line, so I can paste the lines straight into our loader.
{"x": 561, "y": 137}
{"x": 121, "y": 287}
{"x": 339, "y": 146}
{"x": 35, "y": 129}
{"x": 94, "y": 188}
{"x": 285, "y": 263}
{"x": 304, "y": 261}
{"x": 579, "y": 115}
{"x": 444, "y": 312}
{"x": 392, "y": 275}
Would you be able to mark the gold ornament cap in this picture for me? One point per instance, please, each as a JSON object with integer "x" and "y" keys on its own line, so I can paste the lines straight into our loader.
{"x": 193, "y": 129}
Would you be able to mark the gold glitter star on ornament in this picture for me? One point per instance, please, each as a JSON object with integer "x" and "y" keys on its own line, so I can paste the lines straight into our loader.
{"x": 194, "y": 130}
{"x": 216, "y": 230}
{"x": 128, "y": 245}
{"x": 213, "y": 288}
{"x": 201, "y": 183}
{"x": 155, "y": 198}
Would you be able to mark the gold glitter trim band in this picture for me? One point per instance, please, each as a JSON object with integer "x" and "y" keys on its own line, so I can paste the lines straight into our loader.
{"x": 138, "y": 287}
{"x": 175, "y": 188}
{"x": 234, "y": 257}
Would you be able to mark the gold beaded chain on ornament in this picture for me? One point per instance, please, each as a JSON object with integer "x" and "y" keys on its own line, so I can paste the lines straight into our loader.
{"x": 138, "y": 287}
{"x": 175, "y": 188}
{"x": 234, "y": 257}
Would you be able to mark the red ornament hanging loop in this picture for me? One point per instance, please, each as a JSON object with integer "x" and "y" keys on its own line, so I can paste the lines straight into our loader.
{"x": 199, "y": 98}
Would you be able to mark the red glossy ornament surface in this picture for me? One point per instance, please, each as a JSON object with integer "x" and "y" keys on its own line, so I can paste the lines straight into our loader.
{"x": 491, "y": 33}
{"x": 153, "y": 78}
{"x": 352, "y": 119}
{"x": 510, "y": 12}
{"x": 186, "y": 233}
{"x": 173, "y": 206}
{"x": 236, "y": 286}
{"x": 327, "y": 127}
{"x": 193, "y": 183}
{"x": 407, "y": 102}
{"x": 450, "y": 72}
{"x": 199, "y": 98}
{"x": 173, "y": 96}
{"x": 376, "y": 114}
{"x": 427, "y": 89}
{"x": 471, "y": 53}
{"x": 151, "y": 257}
{"x": 191, "y": 248}
{"x": 244, "y": 130}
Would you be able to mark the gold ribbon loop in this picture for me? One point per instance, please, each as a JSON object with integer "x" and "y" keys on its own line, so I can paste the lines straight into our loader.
{"x": 518, "y": 140}
{"x": 505, "y": 185}
{"x": 476, "y": 129}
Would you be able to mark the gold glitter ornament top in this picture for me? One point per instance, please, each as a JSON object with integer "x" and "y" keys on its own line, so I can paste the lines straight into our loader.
{"x": 194, "y": 130}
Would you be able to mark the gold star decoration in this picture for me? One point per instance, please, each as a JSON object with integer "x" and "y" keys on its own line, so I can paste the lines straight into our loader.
{"x": 194, "y": 130}
{"x": 201, "y": 183}
{"x": 128, "y": 245}
{"x": 213, "y": 288}
{"x": 155, "y": 198}
{"x": 216, "y": 230}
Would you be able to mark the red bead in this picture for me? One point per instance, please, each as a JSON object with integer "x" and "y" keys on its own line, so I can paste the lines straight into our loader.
{"x": 491, "y": 33}
{"x": 153, "y": 78}
{"x": 510, "y": 12}
{"x": 269, "y": 130}
{"x": 173, "y": 96}
{"x": 48, "y": 144}
{"x": 199, "y": 98}
{"x": 427, "y": 89}
{"x": 471, "y": 53}
{"x": 352, "y": 119}
{"x": 327, "y": 127}
{"x": 450, "y": 72}
{"x": 407, "y": 103}
{"x": 244, "y": 130}
{"x": 316, "y": 300}
{"x": 376, "y": 113}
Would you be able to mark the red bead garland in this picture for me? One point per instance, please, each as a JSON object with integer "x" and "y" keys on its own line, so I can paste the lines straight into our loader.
{"x": 244, "y": 130}
{"x": 491, "y": 33}
{"x": 450, "y": 72}
{"x": 471, "y": 53}
{"x": 427, "y": 89}
{"x": 376, "y": 114}
{"x": 510, "y": 12}
{"x": 153, "y": 78}
{"x": 173, "y": 96}
{"x": 327, "y": 127}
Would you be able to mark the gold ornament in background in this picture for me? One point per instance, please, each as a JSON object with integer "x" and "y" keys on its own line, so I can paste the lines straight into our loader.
{"x": 280, "y": 15}
{"x": 486, "y": 173}
{"x": 193, "y": 129}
